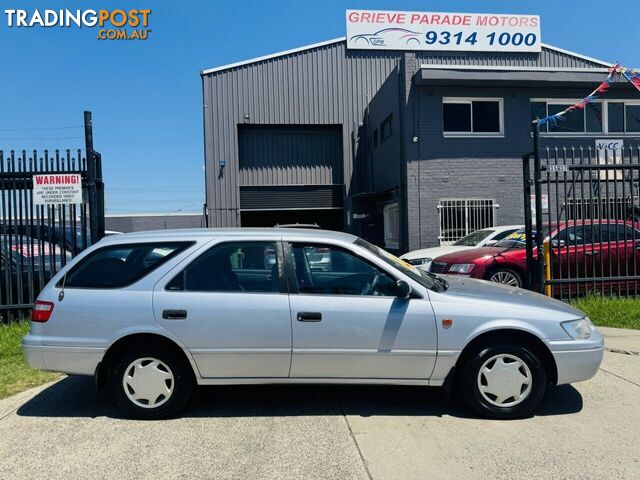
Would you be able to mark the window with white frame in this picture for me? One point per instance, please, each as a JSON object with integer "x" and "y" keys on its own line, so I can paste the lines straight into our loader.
{"x": 391, "y": 221}
{"x": 472, "y": 116}
{"x": 459, "y": 217}
{"x": 610, "y": 116}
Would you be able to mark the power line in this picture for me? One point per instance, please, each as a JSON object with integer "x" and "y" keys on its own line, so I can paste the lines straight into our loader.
{"x": 32, "y": 129}
{"x": 39, "y": 138}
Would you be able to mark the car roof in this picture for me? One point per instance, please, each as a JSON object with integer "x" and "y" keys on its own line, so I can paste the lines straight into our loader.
{"x": 266, "y": 232}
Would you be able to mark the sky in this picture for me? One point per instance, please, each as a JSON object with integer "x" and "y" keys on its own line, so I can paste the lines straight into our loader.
{"x": 146, "y": 96}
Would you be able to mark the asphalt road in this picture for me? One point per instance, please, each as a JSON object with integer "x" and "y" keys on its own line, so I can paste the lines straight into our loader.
{"x": 66, "y": 430}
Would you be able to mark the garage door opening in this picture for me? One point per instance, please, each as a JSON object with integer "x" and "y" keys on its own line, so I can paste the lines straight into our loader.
{"x": 329, "y": 219}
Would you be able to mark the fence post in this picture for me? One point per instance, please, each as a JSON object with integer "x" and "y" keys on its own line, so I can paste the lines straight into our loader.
{"x": 528, "y": 222}
{"x": 91, "y": 180}
{"x": 537, "y": 180}
{"x": 100, "y": 190}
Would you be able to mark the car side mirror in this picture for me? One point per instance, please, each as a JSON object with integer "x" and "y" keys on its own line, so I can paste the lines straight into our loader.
{"x": 403, "y": 289}
{"x": 557, "y": 243}
{"x": 490, "y": 243}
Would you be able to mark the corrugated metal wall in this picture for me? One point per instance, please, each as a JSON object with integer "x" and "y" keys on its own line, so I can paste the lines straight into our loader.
{"x": 327, "y": 85}
{"x": 290, "y": 155}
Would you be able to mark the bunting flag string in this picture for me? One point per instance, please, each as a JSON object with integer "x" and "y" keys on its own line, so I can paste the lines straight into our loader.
{"x": 632, "y": 76}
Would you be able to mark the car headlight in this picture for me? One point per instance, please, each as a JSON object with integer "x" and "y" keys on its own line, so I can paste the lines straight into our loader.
{"x": 420, "y": 261}
{"x": 578, "y": 329}
{"x": 462, "y": 267}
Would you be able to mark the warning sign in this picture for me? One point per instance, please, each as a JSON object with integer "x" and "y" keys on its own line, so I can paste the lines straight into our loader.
{"x": 57, "y": 189}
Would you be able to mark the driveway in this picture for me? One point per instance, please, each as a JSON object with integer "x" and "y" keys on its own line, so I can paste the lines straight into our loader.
{"x": 66, "y": 430}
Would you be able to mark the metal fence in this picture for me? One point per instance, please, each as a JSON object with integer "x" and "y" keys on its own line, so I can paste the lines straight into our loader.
{"x": 582, "y": 218}
{"x": 37, "y": 240}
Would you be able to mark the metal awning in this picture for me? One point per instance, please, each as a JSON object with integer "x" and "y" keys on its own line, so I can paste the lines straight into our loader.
{"x": 505, "y": 75}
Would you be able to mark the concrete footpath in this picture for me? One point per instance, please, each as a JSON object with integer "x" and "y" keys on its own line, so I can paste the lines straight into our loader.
{"x": 621, "y": 340}
{"x": 590, "y": 430}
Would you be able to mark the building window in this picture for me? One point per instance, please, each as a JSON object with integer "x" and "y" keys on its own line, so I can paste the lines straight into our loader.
{"x": 587, "y": 120}
{"x": 460, "y": 217}
{"x": 464, "y": 116}
{"x": 391, "y": 221}
{"x": 385, "y": 128}
{"x": 597, "y": 117}
{"x": 623, "y": 117}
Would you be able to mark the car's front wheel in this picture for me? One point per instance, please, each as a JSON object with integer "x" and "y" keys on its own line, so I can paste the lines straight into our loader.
{"x": 503, "y": 381}
{"x": 506, "y": 277}
{"x": 151, "y": 383}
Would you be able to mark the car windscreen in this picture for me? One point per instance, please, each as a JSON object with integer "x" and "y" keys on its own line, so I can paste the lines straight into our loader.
{"x": 409, "y": 270}
{"x": 473, "y": 238}
{"x": 518, "y": 239}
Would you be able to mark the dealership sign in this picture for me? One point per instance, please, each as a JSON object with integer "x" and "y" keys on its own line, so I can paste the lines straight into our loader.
{"x": 57, "y": 189}
{"x": 391, "y": 30}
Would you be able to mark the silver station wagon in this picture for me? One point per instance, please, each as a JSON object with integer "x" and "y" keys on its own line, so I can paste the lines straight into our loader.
{"x": 153, "y": 314}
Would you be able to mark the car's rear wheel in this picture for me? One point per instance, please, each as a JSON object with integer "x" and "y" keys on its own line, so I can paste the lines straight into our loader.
{"x": 503, "y": 381}
{"x": 151, "y": 383}
{"x": 506, "y": 277}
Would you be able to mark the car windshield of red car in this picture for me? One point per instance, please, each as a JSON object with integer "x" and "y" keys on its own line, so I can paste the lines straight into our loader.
{"x": 518, "y": 239}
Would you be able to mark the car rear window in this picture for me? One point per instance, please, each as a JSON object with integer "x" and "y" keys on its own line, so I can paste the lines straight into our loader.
{"x": 118, "y": 266}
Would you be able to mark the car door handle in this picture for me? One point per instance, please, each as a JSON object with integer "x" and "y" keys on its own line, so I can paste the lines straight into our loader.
{"x": 309, "y": 316}
{"x": 174, "y": 314}
{"x": 592, "y": 252}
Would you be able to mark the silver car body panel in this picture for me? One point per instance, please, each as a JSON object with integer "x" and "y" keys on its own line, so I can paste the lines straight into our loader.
{"x": 256, "y": 338}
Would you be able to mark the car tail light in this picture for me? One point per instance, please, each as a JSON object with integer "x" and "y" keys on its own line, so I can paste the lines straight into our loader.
{"x": 41, "y": 311}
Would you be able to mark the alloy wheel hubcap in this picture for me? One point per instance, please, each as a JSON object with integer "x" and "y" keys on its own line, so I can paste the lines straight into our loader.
{"x": 504, "y": 380}
{"x": 148, "y": 382}
{"x": 506, "y": 278}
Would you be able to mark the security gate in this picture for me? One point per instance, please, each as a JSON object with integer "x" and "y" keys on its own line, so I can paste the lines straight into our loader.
{"x": 37, "y": 240}
{"x": 582, "y": 210}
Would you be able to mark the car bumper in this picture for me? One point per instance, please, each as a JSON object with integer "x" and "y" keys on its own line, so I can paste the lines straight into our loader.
{"x": 73, "y": 360}
{"x": 578, "y": 360}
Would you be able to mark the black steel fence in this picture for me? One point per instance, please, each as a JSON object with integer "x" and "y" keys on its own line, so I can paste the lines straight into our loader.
{"x": 582, "y": 211}
{"x": 36, "y": 240}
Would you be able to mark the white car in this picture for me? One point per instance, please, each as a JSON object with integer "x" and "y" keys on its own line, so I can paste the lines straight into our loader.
{"x": 480, "y": 238}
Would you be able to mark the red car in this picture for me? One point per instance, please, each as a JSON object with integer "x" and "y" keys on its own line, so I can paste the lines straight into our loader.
{"x": 580, "y": 249}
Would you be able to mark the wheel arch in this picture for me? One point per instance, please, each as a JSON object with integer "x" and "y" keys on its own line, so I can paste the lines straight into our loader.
{"x": 510, "y": 336}
{"x": 138, "y": 339}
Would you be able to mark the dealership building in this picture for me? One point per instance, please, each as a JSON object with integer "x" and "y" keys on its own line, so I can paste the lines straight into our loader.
{"x": 403, "y": 143}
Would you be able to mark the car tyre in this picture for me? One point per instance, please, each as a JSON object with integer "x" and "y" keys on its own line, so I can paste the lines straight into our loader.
{"x": 506, "y": 276}
{"x": 492, "y": 377}
{"x": 151, "y": 383}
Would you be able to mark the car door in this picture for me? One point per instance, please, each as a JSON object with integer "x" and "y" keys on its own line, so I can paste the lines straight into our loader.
{"x": 623, "y": 242}
{"x": 230, "y": 308}
{"x": 347, "y": 321}
{"x": 574, "y": 255}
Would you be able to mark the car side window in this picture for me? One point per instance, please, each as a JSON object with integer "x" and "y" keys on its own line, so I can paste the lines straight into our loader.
{"x": 118, "y": 266}
{"x": 232, "y": 267}
{"x": 331, "y": 270}
{"x": 573, "y": 235}
{"x": 619, "y": 233}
